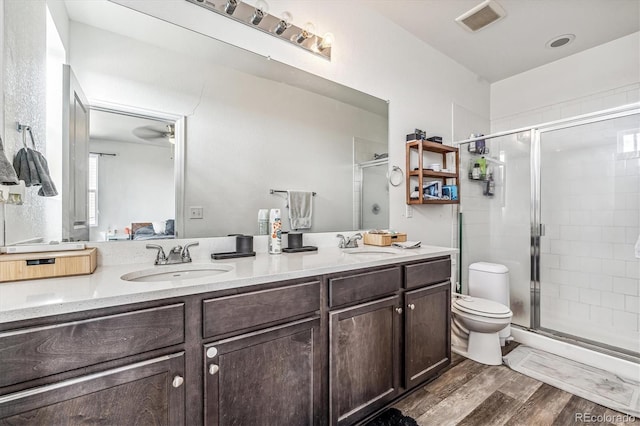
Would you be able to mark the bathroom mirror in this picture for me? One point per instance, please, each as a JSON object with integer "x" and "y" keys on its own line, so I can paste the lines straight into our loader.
{"x": 251, "y": 124}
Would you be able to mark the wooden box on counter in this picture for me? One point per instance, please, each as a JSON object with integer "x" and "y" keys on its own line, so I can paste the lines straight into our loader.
{"x": 384, "y": 239}
{"x": 31, "y": 266}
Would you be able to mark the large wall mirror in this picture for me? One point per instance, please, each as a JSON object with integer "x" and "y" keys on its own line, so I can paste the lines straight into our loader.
{"x": 186, "y": 135}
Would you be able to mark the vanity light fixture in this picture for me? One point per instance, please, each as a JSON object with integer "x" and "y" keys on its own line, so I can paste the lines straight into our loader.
{"x": 261, "y": 9}
{"x": 255, "y": 15}
{"x": 230, "y": 7}
{"x": 284, "y": 23}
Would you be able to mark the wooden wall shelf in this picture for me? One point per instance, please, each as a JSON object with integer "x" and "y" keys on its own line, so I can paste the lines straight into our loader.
{"x": 419, "y": 173}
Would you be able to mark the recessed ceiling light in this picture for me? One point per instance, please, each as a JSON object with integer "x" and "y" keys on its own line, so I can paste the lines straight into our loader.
{"x": 560, "y": 41}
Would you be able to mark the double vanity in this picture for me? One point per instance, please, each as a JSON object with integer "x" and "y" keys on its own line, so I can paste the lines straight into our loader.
{"x": 329, "y": 337}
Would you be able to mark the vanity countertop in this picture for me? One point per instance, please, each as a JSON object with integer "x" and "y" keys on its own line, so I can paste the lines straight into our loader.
{"x": 22, "y": 300}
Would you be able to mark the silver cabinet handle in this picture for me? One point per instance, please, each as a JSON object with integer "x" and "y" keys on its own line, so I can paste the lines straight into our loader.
{"x": 412, "y": 306}
{"x": 177, "y": 381}
{"x": 399, "y": 310}
{"x": 212, "y": 352}
{"x": 213, "y": 369}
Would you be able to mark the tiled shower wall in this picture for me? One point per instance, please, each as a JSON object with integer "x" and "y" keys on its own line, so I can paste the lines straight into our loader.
{"x": 590, "y": 277}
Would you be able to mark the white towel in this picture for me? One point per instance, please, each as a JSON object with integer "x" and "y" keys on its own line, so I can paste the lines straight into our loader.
{"x": 300, "y": 209}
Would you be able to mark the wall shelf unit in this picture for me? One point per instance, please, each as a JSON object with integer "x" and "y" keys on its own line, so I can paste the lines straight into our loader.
{"x": 417, "y": 173}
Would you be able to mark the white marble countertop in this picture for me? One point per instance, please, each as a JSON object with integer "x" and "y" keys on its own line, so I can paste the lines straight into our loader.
{"x": 21, "y": 300}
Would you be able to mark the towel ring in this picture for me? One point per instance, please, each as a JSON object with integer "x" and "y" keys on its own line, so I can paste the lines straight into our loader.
{"x": 395, "y": 176}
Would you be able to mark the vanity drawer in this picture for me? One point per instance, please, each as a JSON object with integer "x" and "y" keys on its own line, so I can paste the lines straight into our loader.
{"x": 224, "y": 315}
{"x": 365, "y": 286}
{"x": 42, "y": 351}
{"x": 426, "y": 273}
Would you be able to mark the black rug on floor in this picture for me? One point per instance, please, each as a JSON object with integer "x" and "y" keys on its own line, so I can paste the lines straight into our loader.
{"x": 392, "y": 417}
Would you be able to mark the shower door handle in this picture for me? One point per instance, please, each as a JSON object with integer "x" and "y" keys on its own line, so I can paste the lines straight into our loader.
{"x": 542, "y": 230}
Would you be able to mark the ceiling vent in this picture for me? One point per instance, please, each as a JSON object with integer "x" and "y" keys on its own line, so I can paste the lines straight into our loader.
{"x": 481, "y": 16}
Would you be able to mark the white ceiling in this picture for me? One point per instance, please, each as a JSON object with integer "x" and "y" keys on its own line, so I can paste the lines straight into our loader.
{"x": 517, "y": 42}
{"x": 112, "y": 127}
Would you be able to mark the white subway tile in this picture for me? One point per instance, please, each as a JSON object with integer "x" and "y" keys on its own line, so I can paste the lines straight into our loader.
{"x": 625, "y": 321}
{"x": 550, "y": 260}
{"x": 593, "y": 233}
{"x": 631, "y": 234}
{"x": 581, "y": 248}
{"x": 590, "y": 265}
{"x": 623, "y": 252}
{"x": 579, "y": 279}
{"x": 633, "y": 166}
{"x": 613, "y": 234}
{"x": 559, "y": 276}
{"x": 626, "y": 184}
{"x": 626, "y": 286}
{"x": 626, "y": 218}
{"x": 560, "y": 247}
{"x": 633, "y": 269}
{"x": 602, "y": 250}
{"x": 603, "y": 317}
{"x": 632, "y": 304}
{"x": 550, "y": 290}
{"x": 568, "y": 292}
{"x": 580, "y": 217}
{"x": 570, "y": 263}
{"x": 579, "y": 311}
{"x": 591, "y": 297}
{"x": 570, "y": 233}
{"x": 613, "y": 300}
{"x": 616, "y": 268}
{"x": 601, "y": 282}
{"x": 602, "y": 217}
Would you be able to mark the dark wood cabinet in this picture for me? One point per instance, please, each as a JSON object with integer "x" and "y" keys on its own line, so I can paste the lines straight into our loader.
{"x": 364, "y": 363}
{"x": 149, "y": 392}
{"x": 427, "y": 343}
{"x": 268, "y": 377}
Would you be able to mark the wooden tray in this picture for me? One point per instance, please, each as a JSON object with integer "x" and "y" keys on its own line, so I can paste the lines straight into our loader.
{"x": 31, "y": 266}
{"x": 384, "y": 239}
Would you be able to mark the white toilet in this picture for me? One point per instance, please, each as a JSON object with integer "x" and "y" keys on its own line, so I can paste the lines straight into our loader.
{"x": 481, "y": 321}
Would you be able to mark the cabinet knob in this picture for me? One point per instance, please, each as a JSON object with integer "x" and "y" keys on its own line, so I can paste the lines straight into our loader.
{"x": 412, "y": 306}
{"x": 212, "y": 352}
{"x": 177, "y": 381}
{"x": 213, "y": 369}
{"x": 399, "y": 310}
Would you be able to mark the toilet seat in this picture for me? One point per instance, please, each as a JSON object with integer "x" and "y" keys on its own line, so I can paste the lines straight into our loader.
{"x": 482, "y": 307}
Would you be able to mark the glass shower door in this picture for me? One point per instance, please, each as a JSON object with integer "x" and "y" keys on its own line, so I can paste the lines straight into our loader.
{"x": 589, "y": 211}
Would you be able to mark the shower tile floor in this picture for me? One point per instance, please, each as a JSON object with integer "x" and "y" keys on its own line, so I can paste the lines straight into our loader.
{"x": 473, "y": 394}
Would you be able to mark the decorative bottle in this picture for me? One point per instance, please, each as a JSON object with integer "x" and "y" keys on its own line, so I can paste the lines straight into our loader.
{"x": 275, "y": 229}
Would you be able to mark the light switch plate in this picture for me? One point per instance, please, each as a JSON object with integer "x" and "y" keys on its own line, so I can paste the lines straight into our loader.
{"x": 196, "y": 212}
{"x": 408, "y": 211}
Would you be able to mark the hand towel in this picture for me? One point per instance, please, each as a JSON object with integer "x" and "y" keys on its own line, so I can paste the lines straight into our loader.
{"x": 8, "y": 174}
{"x": 33, "y": 169}
{"x": 300, "y": 209}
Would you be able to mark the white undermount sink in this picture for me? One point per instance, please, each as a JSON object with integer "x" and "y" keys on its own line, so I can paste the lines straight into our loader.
{"x": 369, "y": 251}
{"x": 179, "y": 272}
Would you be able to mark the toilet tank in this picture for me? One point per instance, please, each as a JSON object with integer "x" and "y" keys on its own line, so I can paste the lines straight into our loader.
{"x": 489, "y": 281}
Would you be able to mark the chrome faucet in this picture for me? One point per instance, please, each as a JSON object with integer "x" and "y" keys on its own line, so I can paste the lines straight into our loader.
{"x": 176, "y": 255}
{"x": 349, "y": 242}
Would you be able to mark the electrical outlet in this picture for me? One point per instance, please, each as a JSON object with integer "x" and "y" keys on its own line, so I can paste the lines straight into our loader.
{"x": 408, "y": 211}
{"x": 196, "y": 212}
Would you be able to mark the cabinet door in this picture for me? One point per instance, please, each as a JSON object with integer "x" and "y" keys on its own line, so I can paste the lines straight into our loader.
{"x": 427, "y": 332}
{"x": 364, "y": 362}
{"x": 268, "y": 377}
{"x": 148, "y": 392}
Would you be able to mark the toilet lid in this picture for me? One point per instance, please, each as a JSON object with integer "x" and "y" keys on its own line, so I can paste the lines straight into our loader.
{"x": 483, "y": 307}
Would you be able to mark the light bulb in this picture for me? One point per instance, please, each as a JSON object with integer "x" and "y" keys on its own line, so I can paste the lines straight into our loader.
{"x": 307, "y": 31}
{"x": 230, "y": 7}
{"x": 327, "y": 41}
{"x": 262, "y": 8}
{"x": 285, "y": 22}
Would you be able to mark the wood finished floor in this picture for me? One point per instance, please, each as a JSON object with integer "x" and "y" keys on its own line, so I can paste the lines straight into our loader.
{"x": 473, "y": 394}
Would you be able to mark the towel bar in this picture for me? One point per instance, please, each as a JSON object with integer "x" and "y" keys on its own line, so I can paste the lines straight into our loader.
{"x": 273, "y": 191}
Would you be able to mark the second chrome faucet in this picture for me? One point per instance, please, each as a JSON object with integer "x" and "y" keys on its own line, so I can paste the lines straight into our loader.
{"x": 177, "y": 254}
